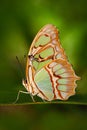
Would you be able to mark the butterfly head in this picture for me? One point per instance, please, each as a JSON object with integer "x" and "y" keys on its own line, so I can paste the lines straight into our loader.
{"x": 32, "y": 58}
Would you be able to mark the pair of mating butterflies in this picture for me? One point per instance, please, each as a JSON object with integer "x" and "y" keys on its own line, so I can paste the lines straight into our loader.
{"x": 49, "y": 75}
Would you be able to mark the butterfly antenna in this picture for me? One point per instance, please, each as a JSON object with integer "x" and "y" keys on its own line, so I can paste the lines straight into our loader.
{"x": 20, "y": 66}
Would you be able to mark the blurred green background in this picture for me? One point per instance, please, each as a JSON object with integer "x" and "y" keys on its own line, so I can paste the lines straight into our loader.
{"x": 19, "y": 23}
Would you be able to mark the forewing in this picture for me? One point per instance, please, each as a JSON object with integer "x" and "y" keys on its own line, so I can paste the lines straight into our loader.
{"x": 46, "y": 46}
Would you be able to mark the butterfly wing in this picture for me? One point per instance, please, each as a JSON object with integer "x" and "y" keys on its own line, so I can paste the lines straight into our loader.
{"x": 48, "y": 73}
{"x": 46, "y": 47}
{"x": 56, "y": 80}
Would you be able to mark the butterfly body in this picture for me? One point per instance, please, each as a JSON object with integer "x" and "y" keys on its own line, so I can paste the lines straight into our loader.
{"x": 49, "y": 75}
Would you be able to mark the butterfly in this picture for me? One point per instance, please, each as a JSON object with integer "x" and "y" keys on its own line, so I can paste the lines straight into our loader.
{"x": 49, "y": 74}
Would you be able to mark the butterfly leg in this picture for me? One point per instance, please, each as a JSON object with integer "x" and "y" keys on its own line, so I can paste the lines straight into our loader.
{"x": 43, "y": 100}
{"x": 19, "y": 94}
{"x": 32, "y": 98}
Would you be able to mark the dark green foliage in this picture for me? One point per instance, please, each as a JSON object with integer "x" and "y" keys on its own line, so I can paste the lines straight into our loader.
{"x": 19, "y": 23}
